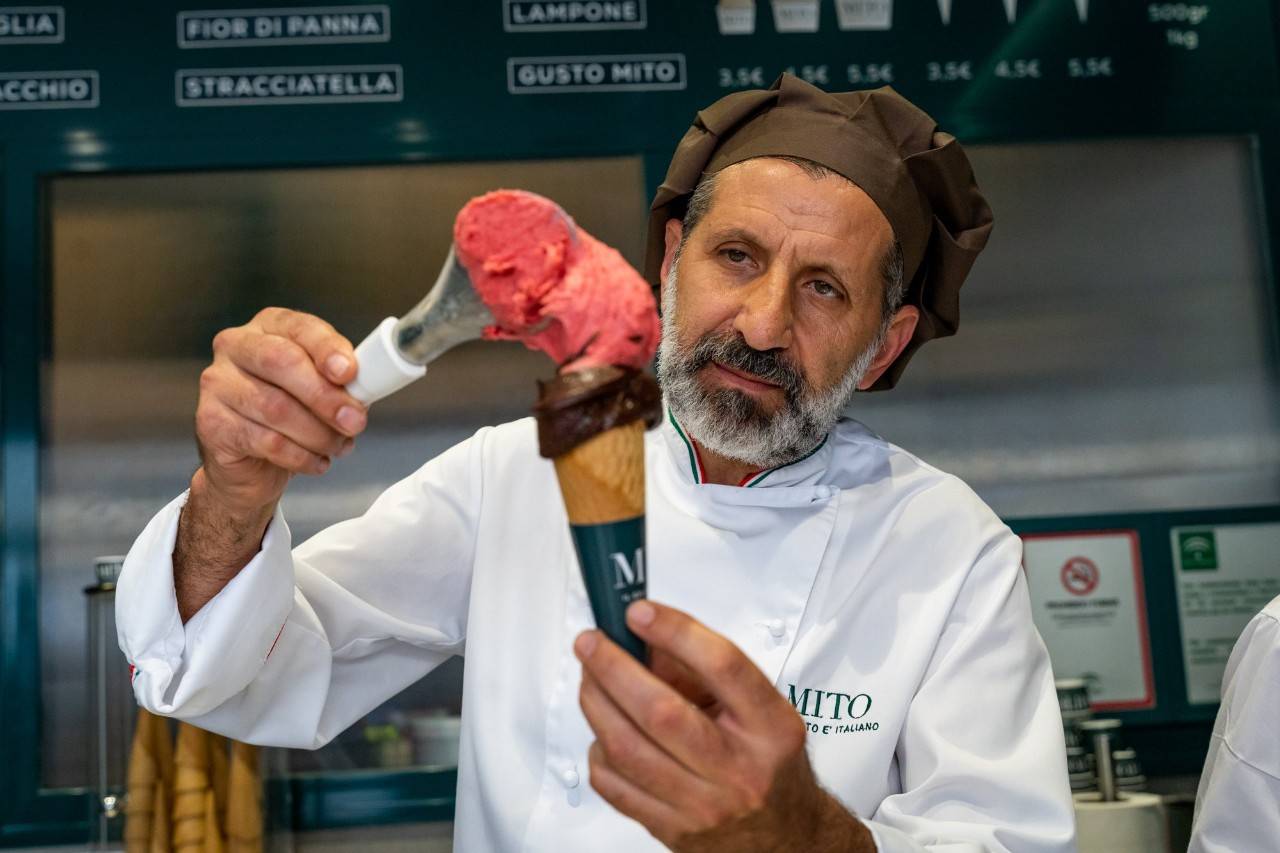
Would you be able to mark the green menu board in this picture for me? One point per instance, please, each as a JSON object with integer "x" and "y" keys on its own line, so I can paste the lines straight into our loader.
{"x": 471, "y": 78}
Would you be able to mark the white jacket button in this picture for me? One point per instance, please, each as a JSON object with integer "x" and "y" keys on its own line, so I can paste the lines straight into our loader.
{"x": 569, "y": 778}
{"x": 776, "y": 628}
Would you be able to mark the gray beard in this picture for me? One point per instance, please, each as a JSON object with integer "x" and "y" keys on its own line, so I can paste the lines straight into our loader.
{"x": 731, "y": 423}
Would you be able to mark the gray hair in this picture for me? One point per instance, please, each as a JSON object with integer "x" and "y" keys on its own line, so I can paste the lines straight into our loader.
{"x": 891, "y": 268}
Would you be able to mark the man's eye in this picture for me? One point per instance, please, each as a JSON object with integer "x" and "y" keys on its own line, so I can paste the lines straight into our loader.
{"x": 822, "y": 288}
{"x": 735, "y": 256}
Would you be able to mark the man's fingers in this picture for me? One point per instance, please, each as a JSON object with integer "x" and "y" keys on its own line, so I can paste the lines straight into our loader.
{"x": 723, "y": 668}
{"x": 633, "y": 754}
{"x": 332, "y": 354}
{"x": 276, "y": 409}
{"x": 666, "y": 717}
{"x": 662, "y": 820}
{"x": 282, "y": 362}
{"x": 244, "y": 439}
{"x": 684, "y": 681}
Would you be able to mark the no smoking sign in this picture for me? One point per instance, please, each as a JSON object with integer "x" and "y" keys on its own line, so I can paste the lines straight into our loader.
{"x": 1080, "y": 576}
{"x": 1098, "y": 624}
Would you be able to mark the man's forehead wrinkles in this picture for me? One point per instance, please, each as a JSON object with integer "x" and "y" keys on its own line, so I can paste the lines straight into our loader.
{"x": 871, "y": 221}
{"x": 779, "y": 231}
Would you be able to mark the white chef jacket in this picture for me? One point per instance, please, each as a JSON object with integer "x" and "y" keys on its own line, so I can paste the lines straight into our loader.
{"x": 878, "y": 594}
{"x": 1238, "y": 804}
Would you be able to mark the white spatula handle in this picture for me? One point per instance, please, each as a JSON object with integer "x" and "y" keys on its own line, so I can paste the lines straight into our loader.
{"x": 381, "y": 370}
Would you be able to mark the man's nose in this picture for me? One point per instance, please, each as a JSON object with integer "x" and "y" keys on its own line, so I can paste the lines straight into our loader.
{"x": 765, "y": 316}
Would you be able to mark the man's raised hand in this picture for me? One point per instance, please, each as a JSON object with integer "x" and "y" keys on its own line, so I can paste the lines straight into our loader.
{"x": 273, "y": 404}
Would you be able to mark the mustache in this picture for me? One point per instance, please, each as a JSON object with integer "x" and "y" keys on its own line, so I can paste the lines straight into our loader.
{"x": 731, "y": 350}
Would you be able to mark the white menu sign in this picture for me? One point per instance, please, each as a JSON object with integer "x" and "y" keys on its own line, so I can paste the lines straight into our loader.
{"x": 1225, "y": 574}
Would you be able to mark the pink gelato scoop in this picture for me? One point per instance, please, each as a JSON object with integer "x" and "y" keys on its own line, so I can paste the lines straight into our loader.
{"x": 552, "y": 285}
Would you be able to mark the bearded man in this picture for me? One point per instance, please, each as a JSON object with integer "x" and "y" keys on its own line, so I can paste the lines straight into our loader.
{"x": 843, "y": 652}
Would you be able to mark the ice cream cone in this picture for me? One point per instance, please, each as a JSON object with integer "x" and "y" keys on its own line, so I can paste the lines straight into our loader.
{"x": 244, "y": 801}
{"x": 602, "y": 483}
{"x": 160, "y": 827}
{"x": 602, "y": 479}
{"x": 190, "y": 783}
{"x": 591, "y": 424}
{"x": 162, "y": 749}
{"x": 554, "y": 287}
{"x": 218, "y": 766}
{"x": 212, "y": 828}
{"x": 143, "y": 778}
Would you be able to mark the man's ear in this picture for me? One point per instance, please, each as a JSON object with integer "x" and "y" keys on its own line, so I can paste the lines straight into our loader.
{"x": 672, "y": 233}
{"x": 896, "y": 338}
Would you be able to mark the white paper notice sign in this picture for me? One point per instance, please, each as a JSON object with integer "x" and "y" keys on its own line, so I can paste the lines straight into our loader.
{"x": 1225, "y": 575}
{"x": 1088, "y": 603}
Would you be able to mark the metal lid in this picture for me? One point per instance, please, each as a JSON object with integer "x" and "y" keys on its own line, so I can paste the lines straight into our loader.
{"x": 107, "y": 569}
{"x": 1097, "y": 726}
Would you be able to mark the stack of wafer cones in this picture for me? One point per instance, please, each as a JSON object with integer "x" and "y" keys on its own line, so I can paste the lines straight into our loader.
{"x": 199, "y": 800}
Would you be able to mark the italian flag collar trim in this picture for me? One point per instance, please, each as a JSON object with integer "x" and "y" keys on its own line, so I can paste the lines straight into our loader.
{"x": 749, "y": 481}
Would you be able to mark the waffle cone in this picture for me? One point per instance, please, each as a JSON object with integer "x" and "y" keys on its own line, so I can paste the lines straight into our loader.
{"x": 602, "y": 479}
{"x": 218, "y": 767}
{"x": 160, "y": 826}
{"x": 244, "y": 801}
{"x": 149, "y": 781}
{"x": 212, "y": 829}
{"x": 162, "y": 749}
{"x": 143, "y": 776}
{"x": 190, "y": 784}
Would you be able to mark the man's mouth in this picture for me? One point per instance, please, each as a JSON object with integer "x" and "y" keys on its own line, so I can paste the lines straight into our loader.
{"x": 742, "y": 380}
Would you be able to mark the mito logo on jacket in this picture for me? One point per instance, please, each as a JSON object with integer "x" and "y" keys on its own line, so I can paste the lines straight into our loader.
{"x": 844, "y": 712}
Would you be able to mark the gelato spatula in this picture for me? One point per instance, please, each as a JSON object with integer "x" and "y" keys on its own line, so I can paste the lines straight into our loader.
{"x": 398, "y": 351}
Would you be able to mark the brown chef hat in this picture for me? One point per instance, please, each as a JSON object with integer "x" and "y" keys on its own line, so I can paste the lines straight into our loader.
{"x": 917, "y": 175}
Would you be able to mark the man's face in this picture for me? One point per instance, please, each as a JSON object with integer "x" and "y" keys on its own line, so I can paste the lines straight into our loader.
{"x": 773, "y": 313}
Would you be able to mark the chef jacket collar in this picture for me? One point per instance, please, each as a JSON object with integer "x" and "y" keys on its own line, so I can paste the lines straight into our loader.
{"x": 805, "y": 471}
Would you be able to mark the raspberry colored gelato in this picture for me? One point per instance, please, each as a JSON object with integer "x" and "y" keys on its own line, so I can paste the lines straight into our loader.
{"x": 552, "y": 285}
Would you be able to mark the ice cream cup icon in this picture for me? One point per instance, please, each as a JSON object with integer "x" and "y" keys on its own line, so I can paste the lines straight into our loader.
{"x": 795, "y": 16}
{"x": 864, "y": 14}
{"x": 736, "y": 17}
